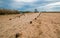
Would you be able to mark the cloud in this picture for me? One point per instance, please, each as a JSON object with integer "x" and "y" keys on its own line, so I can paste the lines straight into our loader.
{"x": 46, "y": 5}
{"x": 57, "y": 3}
{"x": 16, "y": 4}
{"x": 24, "y": 0}
{"x": 50, "y": 7}
{"x": 52, "y": 0}
{"x": 1, "y": 2}
{"x": 53, "y": 6}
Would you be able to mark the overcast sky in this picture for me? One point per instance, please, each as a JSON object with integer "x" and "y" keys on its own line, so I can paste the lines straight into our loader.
{"x": 41, "y": 5}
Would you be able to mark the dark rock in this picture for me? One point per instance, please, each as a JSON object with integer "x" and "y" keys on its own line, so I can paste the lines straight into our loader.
{"x": 10, "y": 19}
{"x": 30, "y": 22}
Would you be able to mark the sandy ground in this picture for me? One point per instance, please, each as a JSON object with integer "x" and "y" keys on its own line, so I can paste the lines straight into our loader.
{"x": 30, "y": 25}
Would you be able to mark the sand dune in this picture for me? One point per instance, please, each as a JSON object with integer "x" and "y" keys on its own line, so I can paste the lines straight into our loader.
{"x": 30, "y": 25}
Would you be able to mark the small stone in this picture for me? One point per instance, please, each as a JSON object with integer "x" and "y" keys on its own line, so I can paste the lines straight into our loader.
{"x": 35, "y": 18}
{"x": 18, "y": 35}
{"x": 30, "y": 22}
{"x": 10, "y": 19}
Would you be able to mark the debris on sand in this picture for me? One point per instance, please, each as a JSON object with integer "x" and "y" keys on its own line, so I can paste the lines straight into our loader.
{"x": 10, "y": 19}
{"x": 35, "y": 18}
{"x": 17, "y": 35}
{"x": 30, "y": 22}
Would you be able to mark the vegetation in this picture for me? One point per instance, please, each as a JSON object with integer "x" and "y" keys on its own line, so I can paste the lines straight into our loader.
{"x": 25, "y": 12}
{"x": 8, "y": 11}
{"x": 36, "y": 11}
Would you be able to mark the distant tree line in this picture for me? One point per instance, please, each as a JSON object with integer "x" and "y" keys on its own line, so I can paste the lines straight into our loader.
{"x": 8, "y": 11}
{"x": 25, "y": 12}
{"x": 35, "y": 11}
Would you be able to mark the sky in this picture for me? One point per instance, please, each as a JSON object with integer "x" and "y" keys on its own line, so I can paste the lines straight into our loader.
{"x": 30, "y": 5}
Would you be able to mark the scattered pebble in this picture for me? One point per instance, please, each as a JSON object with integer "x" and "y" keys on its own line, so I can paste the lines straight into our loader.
{"x": 30, "y": 22}
{"x": 10, "y": 19}
{"x": 35, "y": 18}
{"x": 18, "y": 35}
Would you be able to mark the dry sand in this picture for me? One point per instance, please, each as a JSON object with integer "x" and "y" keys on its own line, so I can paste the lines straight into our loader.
{"x": 30, "y": 25}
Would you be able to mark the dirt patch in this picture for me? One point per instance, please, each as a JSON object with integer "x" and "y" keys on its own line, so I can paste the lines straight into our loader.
{"x": 47, "y": 25}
